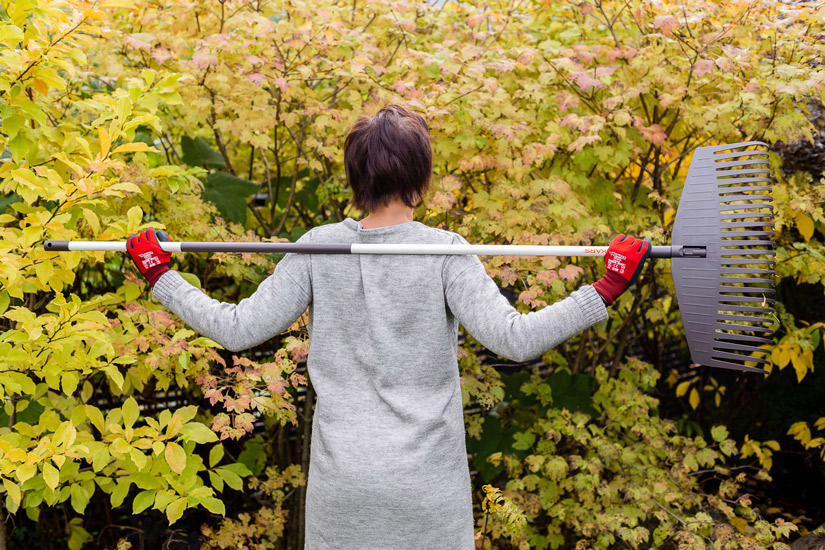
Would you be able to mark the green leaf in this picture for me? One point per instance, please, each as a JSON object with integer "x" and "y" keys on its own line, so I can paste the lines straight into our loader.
{"x": 228, "y": 193}
{"x": 253, "y": 455}
{"x": 231, "y": 478}
{"x": 143, "y": 500}
{"x": 131, "y": 411}
{"x": 119, "y": 493}
{"x": 215, "y": 455}
{"x": 191, "y": 278}
{"x": 719, "y": 433}
{"x": 51, "y": 475}
{"x": 26, "y": 472}
{"x": 197, "y": 432}
{"x": 175, "y": 510}
{"x": 524, "y": 440}
{"x": 78, "y": 536}
{"x": 175, "y": 456}
{"x": 79, "y": 498}
{"x": 13, "y": 490}
{"x": 197, "y": 152}
{"x": 214, "y": 505}
{"x": 10, "y": 34}
{"x": 238, "y": 468}
{"x": 216, "y": 481}
{"x": 163, "y": 499}
{"x": 95, "y": 417}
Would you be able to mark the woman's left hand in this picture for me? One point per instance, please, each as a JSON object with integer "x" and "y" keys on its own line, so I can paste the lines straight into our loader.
{"x": 149, "y": 258}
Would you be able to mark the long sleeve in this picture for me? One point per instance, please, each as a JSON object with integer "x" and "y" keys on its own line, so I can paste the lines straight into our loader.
{"x": 475, "y": 300}
{"x": 277, "y": 302}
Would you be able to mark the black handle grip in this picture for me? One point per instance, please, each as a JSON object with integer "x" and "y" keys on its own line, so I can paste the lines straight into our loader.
{"x": 60, "y": 246}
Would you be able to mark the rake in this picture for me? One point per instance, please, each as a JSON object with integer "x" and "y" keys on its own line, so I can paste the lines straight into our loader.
{"x": 722, "y": 254}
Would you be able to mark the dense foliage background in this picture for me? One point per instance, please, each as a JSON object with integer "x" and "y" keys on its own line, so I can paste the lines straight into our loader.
{"x": 552, "y": 122}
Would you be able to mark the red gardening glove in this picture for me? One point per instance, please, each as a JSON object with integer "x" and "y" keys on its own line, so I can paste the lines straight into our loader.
{"x": 625, "y": 259}
{"x": 147, "y": 254}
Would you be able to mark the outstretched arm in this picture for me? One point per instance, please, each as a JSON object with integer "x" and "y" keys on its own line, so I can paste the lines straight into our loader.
{"x": 475, "y": 300}
{"x": 273, "y": 307}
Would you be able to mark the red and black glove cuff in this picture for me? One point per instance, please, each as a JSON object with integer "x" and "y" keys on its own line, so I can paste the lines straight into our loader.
{"x": 624, "y": 260}
{"x": 147, "y": 254}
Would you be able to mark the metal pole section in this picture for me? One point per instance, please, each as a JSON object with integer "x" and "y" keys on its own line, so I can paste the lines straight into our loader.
{"x": 356, "y": 248}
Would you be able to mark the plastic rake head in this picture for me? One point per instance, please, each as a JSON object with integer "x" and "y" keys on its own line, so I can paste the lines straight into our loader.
{"x": 725, "y": 297}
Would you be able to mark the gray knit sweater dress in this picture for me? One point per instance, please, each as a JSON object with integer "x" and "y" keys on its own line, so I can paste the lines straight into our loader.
{"x": 388, "y": 462}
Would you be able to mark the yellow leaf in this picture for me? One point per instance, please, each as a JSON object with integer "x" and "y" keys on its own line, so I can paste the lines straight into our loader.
{"x": 131, "y": 411}
{"x": 40, "y": 86}
{"x": 13, "y": 490}
{"x": 61, "y": 156}
{"x": 135, "y": 147}
{"x": 739, "y": 523}
{"x": 120, "y": 446}
{"x": 175, "y": 510}
{"x": 801, "y": 432}
{"x": 95, "y": 417}
{"x": 94, "y": 221}
{"x": 694, "y": 398}
{"x": 802, "y": 361}
{"x": 175, "y": 456}
{"x": 805, "y": 225}
{"x": 781, "y": 355}
{"x": 51, "y": 475}
{"x": 16, "y": 455}
{"x": 135, "y": 216}
{"x": 105, "y": 141}
{"x": 682, "y": 388}
{"x": 25, "y": 472}
{"x": 669, "y": 216}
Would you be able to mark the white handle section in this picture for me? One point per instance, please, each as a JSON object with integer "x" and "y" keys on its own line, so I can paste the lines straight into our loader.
{"x": 480, "y": 249}
{"x": 116, "y": 246}
{"x": 435, "y": 249}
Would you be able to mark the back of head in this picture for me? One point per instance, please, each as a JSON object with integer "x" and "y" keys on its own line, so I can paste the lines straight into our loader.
{"x": 388, "y": 156}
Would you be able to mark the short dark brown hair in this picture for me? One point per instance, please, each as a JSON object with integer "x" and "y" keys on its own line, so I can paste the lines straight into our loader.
{"x": 388, "y": 156}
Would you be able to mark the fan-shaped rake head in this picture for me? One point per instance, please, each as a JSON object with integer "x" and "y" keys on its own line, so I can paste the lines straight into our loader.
{"x": 725, "y": 296}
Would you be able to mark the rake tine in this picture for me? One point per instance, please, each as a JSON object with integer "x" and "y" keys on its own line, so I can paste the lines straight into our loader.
{"x": 725, "y": 355}
{"x": 726, "y": 290}
{"x": 745, "y": 216}
{"x": 751, "y": 206}
{"x": 740, "y": 347}
{"x": 733, "y": 252}
{"x": 747, "y": 261}
{"x": 731, "y": 146}
{"x": 722, "y": 156}
{"x": 737, "y": 234}
{"x": 725, "y": 165}
{"x": 750, "y": 328}
{"x": 743, "y": 318}
{"x": 746, "y": 309}
{"x": 735, "y": 336}
{"x": 745, "y": 242}
{"x": 745, "y": 271}
{"x": 743, "y": 183}
{"x": 731, "y": 198}
{"x": 750, "y": 299}
{"x": 727, "y": 226}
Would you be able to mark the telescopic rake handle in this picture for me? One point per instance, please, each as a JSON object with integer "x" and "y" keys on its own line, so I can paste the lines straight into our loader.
{"x": 373, "y": 248}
